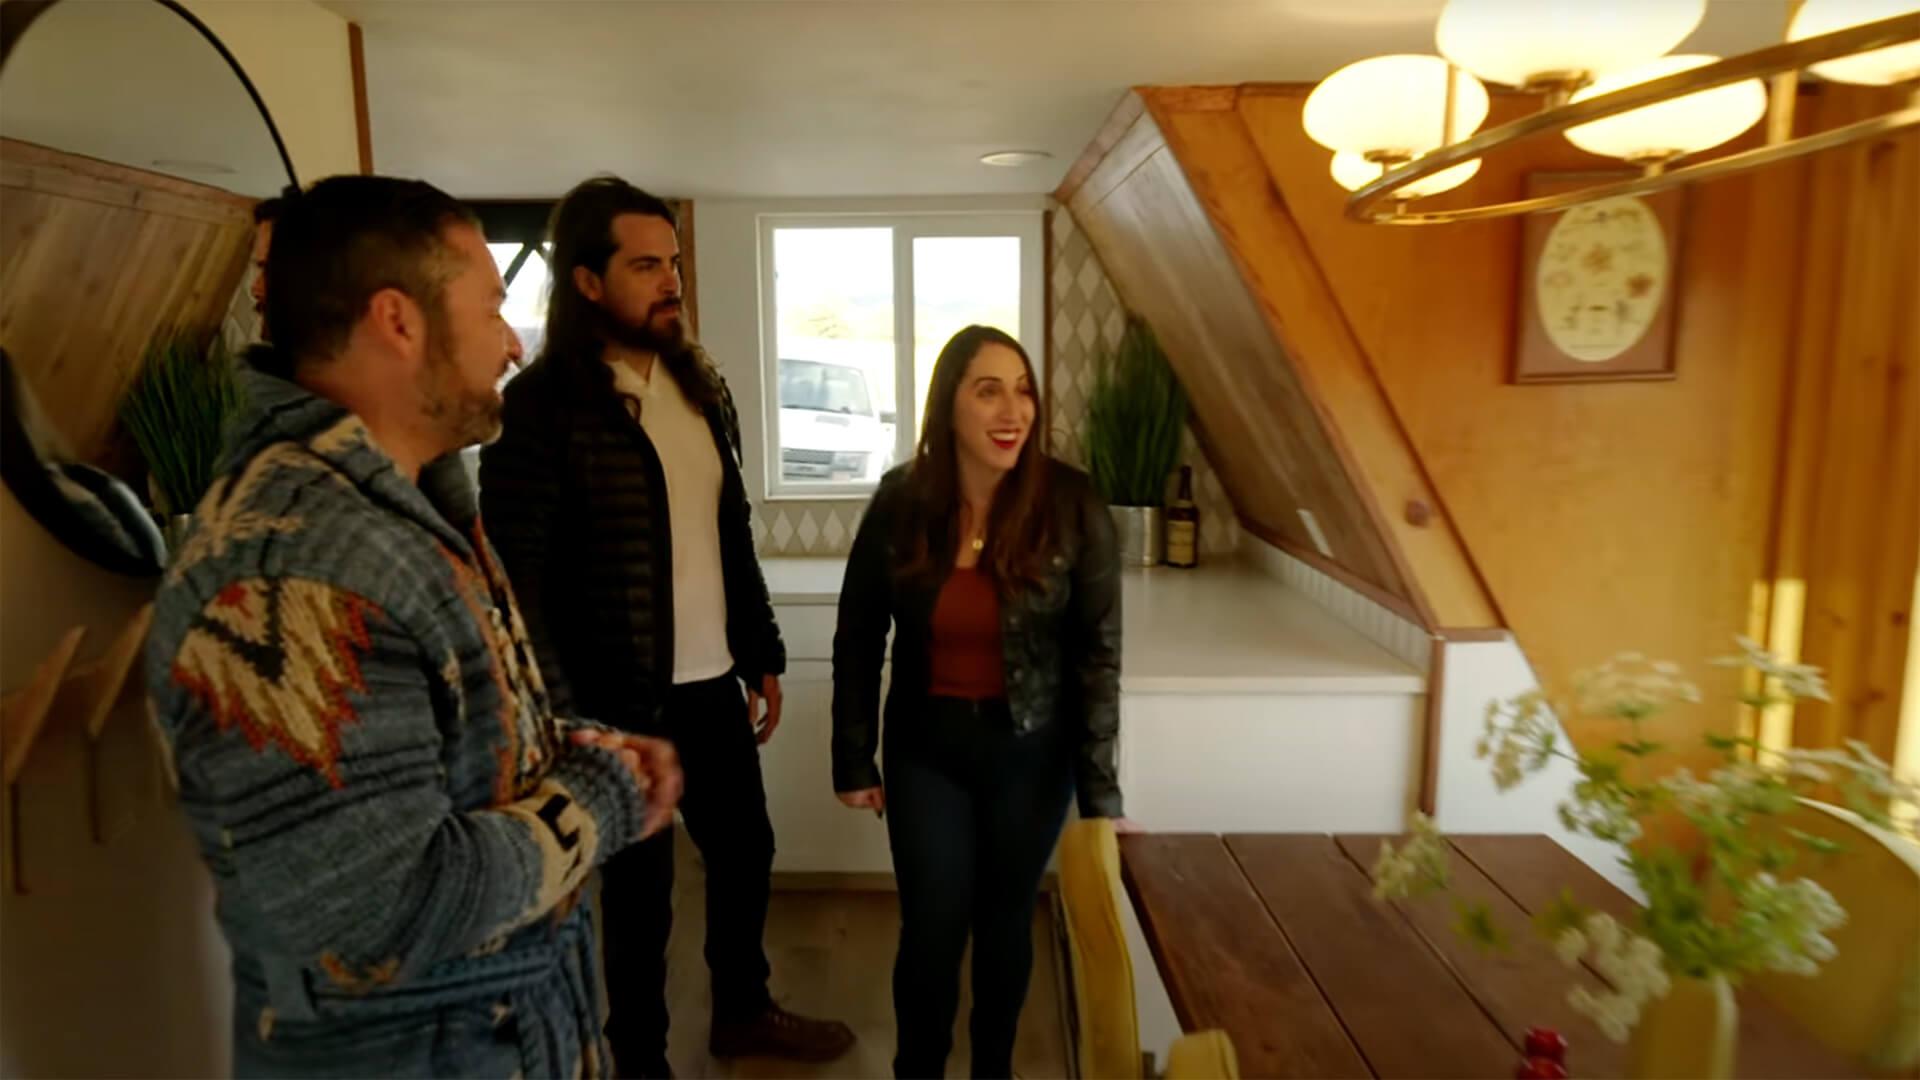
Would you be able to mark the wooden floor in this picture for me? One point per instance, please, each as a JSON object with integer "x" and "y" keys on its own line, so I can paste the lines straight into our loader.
{"x": 832, "y": 956}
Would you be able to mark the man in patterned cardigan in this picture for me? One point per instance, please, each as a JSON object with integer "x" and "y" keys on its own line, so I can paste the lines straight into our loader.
{"x": 398, "y": 826}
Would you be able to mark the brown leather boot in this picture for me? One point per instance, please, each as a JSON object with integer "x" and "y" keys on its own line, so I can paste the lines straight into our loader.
{"x": 780, "y": 1034}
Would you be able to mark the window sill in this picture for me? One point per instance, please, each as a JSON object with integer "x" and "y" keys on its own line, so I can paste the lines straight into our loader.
{"x": 859, "y": 495}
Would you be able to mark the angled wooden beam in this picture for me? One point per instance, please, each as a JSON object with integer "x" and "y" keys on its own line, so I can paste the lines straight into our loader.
{"x": 1229, "y": 177}
{"x": 362, "y": 111}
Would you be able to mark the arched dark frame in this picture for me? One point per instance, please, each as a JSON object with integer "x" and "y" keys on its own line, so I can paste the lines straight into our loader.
{"x": 22, "y": 468}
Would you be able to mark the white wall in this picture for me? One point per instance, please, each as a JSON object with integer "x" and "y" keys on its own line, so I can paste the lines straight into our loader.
{"x": 297, "y": 56}
{"x": 113, "y": 963}
{"x": 114, "y": 966}
{"x": 1468, "y": 802}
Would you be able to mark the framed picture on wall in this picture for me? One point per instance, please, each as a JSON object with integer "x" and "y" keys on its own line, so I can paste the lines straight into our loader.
{"x": 1597, "y": 285}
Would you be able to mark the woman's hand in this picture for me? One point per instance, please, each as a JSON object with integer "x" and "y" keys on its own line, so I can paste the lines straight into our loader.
{"x": 1126, "y": 825}
{"x": 873, "y": 798}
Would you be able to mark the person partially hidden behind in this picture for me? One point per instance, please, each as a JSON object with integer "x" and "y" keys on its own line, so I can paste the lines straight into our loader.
{"x": 265, "y": 213}
{"x": 398, "y": 825}
{"x": 997, "y": 570}
{"x": 616, "y": 497}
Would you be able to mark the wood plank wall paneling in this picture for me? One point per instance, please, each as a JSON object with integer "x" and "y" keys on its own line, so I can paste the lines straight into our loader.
{"x": 95, "y": 259}
{"x": 1170, "y": 265}
{"x": 1347, "y": 368}
{"x": 1213, "y": 145}
{"x": 1118, "y": 124}
{"x": 1604, "y": 517}
{"x": 689, "y": 265}
{"x": 1849, "y": 522}
{"x": 362, "y": 114}
{"x": 1181, "y": 204}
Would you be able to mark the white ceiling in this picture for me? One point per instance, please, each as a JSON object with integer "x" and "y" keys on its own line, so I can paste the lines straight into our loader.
{"x": 790, "y": 98}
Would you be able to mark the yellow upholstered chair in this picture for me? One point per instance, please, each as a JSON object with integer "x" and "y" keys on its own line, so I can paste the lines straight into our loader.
{"x": 1207, "y": 1055}
{"x": 1106, "y": 1026}
{"x": 1865, "y": 1002}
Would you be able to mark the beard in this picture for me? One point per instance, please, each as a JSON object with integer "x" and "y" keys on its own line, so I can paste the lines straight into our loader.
{"x": 462, "y": 416}
{"x": 660, "y": 333}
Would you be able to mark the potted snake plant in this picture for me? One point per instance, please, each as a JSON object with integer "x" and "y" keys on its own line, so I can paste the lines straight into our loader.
{"x": 1136, "y": 419}
{"x": 177, "y": 411}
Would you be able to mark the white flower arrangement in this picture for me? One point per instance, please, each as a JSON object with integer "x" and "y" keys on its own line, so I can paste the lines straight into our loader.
{"x": 1633, "y": 964}
{"x": 1724, "y": 903}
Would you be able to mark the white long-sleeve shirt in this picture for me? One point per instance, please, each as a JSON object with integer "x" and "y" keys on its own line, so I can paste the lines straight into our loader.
{"x": 691, "y": 462}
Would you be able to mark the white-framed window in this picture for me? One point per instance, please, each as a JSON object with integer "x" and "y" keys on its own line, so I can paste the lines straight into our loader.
{"x": 853, "y": 311}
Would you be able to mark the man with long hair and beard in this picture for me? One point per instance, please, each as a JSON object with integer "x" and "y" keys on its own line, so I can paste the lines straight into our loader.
{"x": 399, "y": 825}
{"x": 616, "y": 498}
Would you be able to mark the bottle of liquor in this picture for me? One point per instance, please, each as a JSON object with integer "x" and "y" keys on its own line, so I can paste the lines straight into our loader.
{"x": 1183, "y": 525}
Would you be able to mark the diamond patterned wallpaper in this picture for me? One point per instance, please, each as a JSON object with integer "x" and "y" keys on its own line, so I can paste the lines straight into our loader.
{"x": 1086, "y": 315}
{"x": 241, "y": 326}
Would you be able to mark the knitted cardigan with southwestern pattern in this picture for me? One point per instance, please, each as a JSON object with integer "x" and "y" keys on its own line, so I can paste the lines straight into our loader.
{"x": 397, "y": 826}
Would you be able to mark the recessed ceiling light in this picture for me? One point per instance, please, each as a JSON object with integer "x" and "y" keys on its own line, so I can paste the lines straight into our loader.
{"x": 1013, "y": 159}
{"x": 191, "y": 165}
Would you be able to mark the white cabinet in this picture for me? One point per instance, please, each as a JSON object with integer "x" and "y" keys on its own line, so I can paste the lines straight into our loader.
{"x": 1275, "y": 762}
{"x": 1245, "y": 707}
{"x": 812, "y": 832}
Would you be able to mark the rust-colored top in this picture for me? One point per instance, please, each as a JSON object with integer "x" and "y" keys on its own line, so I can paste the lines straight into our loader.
{"x": 967, "y": 661}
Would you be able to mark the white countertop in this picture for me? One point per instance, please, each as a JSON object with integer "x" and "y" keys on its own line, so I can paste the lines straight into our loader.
{"x": 1230, "y": 629}
{"x": 1224, "y": 629}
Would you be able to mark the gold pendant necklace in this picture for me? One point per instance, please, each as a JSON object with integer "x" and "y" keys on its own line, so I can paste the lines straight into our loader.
{"x": 979, "y": 543}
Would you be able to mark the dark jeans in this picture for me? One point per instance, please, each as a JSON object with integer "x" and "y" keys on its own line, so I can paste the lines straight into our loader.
{"x": 725, "y": 810}
{"x": 973, "y": 813}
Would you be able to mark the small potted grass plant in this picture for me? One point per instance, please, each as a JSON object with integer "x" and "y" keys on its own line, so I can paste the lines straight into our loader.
{"x": 1136, "y": 418}
{"x": 177, "y": 411}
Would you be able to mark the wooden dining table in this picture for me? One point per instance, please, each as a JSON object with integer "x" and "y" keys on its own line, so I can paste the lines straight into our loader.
{"x": 1278, "y": 940}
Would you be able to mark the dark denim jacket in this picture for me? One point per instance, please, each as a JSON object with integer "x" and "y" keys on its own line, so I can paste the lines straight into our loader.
{"x": 1061, "y": 642}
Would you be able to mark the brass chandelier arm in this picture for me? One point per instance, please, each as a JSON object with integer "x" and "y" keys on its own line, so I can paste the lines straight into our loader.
{"x": 1365, "y": 204}
{"x": 1884, "y": 124}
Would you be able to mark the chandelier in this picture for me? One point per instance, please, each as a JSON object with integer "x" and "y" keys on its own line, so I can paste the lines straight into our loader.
{"x": 1403, "y": 127}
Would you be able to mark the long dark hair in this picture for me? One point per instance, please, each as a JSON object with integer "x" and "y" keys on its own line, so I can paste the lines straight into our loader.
{"x": 1021, "y": 529}
{"x": 581, "y": 232}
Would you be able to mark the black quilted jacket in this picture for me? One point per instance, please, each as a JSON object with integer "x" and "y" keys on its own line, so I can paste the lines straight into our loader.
{"x": 1061, "y": 642}
{"x": 574, "y": 499}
